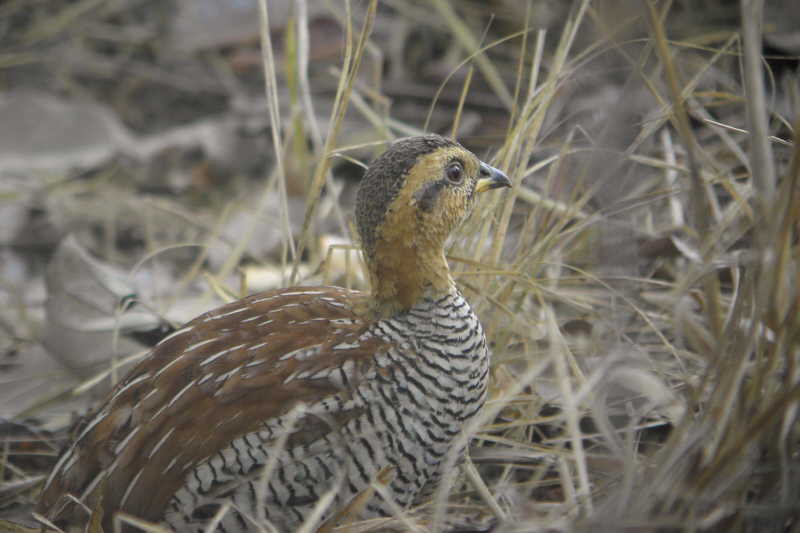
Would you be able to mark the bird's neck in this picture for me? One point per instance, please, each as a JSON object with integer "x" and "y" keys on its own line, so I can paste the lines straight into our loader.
{"x": 402, "y": 275}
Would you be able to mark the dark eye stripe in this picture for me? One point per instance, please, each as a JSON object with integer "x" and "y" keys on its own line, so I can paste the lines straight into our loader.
{"x": 427, "y": 195}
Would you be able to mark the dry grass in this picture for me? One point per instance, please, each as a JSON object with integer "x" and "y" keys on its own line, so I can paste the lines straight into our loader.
{"x": 639, "y": 289}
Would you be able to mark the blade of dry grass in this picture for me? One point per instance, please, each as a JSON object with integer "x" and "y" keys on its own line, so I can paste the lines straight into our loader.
{"x": 468, "y": 41}
{"x": 699, "y": 200}
{"x": 524, "y": 136}
{"x": 271, "y": 91}
{"x": 350, "y": 69}
{"x": 762, "y": 165}
{"x": 462, "y": 98}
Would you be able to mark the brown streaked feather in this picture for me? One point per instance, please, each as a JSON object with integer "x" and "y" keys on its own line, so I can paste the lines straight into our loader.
{"x": 222, "y": 374}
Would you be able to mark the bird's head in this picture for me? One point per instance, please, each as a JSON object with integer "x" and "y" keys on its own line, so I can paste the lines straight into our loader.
{"x": 410, "y": 200}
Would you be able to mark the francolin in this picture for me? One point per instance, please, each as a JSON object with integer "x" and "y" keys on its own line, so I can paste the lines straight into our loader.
{"x": 323, "y": 387}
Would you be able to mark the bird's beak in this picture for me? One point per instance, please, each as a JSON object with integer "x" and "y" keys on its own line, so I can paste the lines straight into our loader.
{"x": 491, "y": 178}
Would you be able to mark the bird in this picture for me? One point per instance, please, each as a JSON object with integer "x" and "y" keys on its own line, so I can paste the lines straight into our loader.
{"x": 255, "y": 410}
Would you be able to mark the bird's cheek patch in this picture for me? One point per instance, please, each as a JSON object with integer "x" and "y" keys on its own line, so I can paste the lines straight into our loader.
{"x": 425, "y": 198}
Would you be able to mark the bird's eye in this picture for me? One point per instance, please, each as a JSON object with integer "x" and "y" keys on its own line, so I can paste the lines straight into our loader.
{"x": 454, "y": 172}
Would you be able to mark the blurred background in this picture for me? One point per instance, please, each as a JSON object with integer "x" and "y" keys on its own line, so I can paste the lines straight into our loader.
{"x": 158, "y": 158}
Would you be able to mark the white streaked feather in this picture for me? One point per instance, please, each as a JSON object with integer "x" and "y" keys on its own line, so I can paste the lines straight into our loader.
{"x": 124, "y": 442}
{"x": 211, "y": 358}
{"x": 223, "y": 315}
{"x": 160, "y": 443}
{"x": 175, "y": 334}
